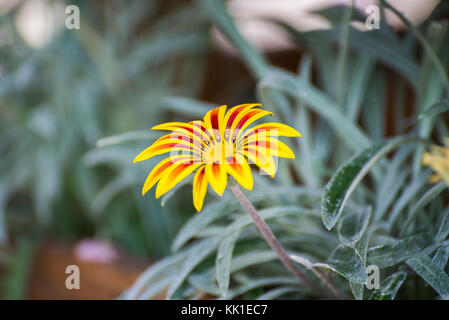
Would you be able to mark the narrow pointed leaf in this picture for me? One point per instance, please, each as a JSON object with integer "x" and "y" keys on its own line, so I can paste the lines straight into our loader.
{"x": 223, "y": 261}
{"x": 349, "y": 175}
{"x": 431, "y": 274}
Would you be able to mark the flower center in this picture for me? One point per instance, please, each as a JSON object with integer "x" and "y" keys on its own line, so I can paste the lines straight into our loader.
{"x": 218, "y": 152}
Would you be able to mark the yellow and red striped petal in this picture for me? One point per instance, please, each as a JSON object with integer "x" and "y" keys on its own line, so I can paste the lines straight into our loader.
{"x": 172, "y": 126}
{"x": 199, "y": 188}
{"x": 217, "y": 177}
{"x": 159, "y": 170}
{"x": 235, "y": 113}
{"x": 200, "y": 131}
{"x": 250, "y": 117}
{"x": 271, "y": 129}
{"x": 162, "y": 147}
{"x": 190, "y": 129}
{"x": 238, "y": 117}
{"x": 264, "y": 162}
{"x": 214, "y": 118}
{"x": 271, "y": 146}
{"x": 241, "y": 173}
{"x": 175, "y": 174}
{"x": 181, "y": 138}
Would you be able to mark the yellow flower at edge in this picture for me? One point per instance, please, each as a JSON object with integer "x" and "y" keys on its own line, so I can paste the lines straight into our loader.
{"x": 438, "y": 160}
{"x": 222, "y": 143}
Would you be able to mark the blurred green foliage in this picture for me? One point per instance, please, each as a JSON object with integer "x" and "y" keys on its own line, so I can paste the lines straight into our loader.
{"x": 57, "y": 102}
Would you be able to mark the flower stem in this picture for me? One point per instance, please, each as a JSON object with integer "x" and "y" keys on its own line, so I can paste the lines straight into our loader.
{"x": 270, "y": 237}
{"x": 277, "y": 247}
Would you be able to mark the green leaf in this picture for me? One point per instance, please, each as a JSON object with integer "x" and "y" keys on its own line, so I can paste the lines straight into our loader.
{"x": 4, "y": 195}
{"x": 317, "y": 101}
{"x": 441, "y": 256}
{"x": 15, "y": 279}
{"x": 303, "y": 121}
{"x": 226, "y": 205}
{"x": 388, "y": 49}
{"x": 187, "y": 106}
{"x": 358, "y": 85}
{"x": 172, "y": 192}
{"x": 257, "y": 283}
{"x": 427, "y": 47}
{"x": 200, "y": 221}
{"x": 252, "y": 258}
{"x": 407, "y": 196}
{"x": 393, "y": 181}
{"x": 349, "y": 175}
{"x": 155, "y": 288}
{"x": 196, "y": 256}
{"x": 431, "y": 273}
{"x": 353, "y": 226}
{"x": 205, "y": 281}
{"x": 347, "y": 263}
{"x": 217, "y": 11}
{"x": 278, "y": 292}
{"x": 389, "y": 287}
{"x": 435, "y": 109}
{"x": 156, "y": 272}
{"x": 127, "y": 137}
{"x": 361, "y": 248}
{"x": 397, "y": 251}
{"x": 267, "y": 214}
{"x": 422, "y": 202}
{"x": 443, "y": 231}
{"x": 223, "y": 261}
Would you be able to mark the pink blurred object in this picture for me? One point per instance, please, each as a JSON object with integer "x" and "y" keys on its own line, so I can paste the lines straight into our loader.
{"x": 252, "y": 18}
{"x": 97, "y": 251}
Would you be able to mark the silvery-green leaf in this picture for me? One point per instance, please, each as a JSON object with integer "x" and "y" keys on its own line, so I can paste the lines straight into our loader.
{"x": 353, "y": 226}
{"x": 389, "y": 287}
{"x": 126, "y": 137}
{"x": 347, "y": 263}
{"x": 195, "y": 257}
{"x": 278, "y": 292}
{"x": 200, "y": 221}
{"x": 407, "y": 195}
{"x": 397, "y": 251}
{"x": 223, "y": 261}
{"x": 257, "y": 283}
{"x": 317, "y": 101}
{"x": 422, "y": 202}
{"x": 361, "y": 248}
{"x": 443, "y": 231}
{"x": 187, "y": 106}
{"x": 349, "y": 175}
{"x": 431, "y": 273}
{"x": 435, "y": 109}
{"x": 441, "y": 256}
{"x": 252, "y": 258}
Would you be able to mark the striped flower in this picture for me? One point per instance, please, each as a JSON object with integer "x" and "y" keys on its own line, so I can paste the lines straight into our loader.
{"x": 222, "y": 143}
{"x": 438, "y": 160}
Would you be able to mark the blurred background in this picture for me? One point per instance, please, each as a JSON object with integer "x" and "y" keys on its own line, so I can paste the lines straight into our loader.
{"x": 76, "y": 107}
